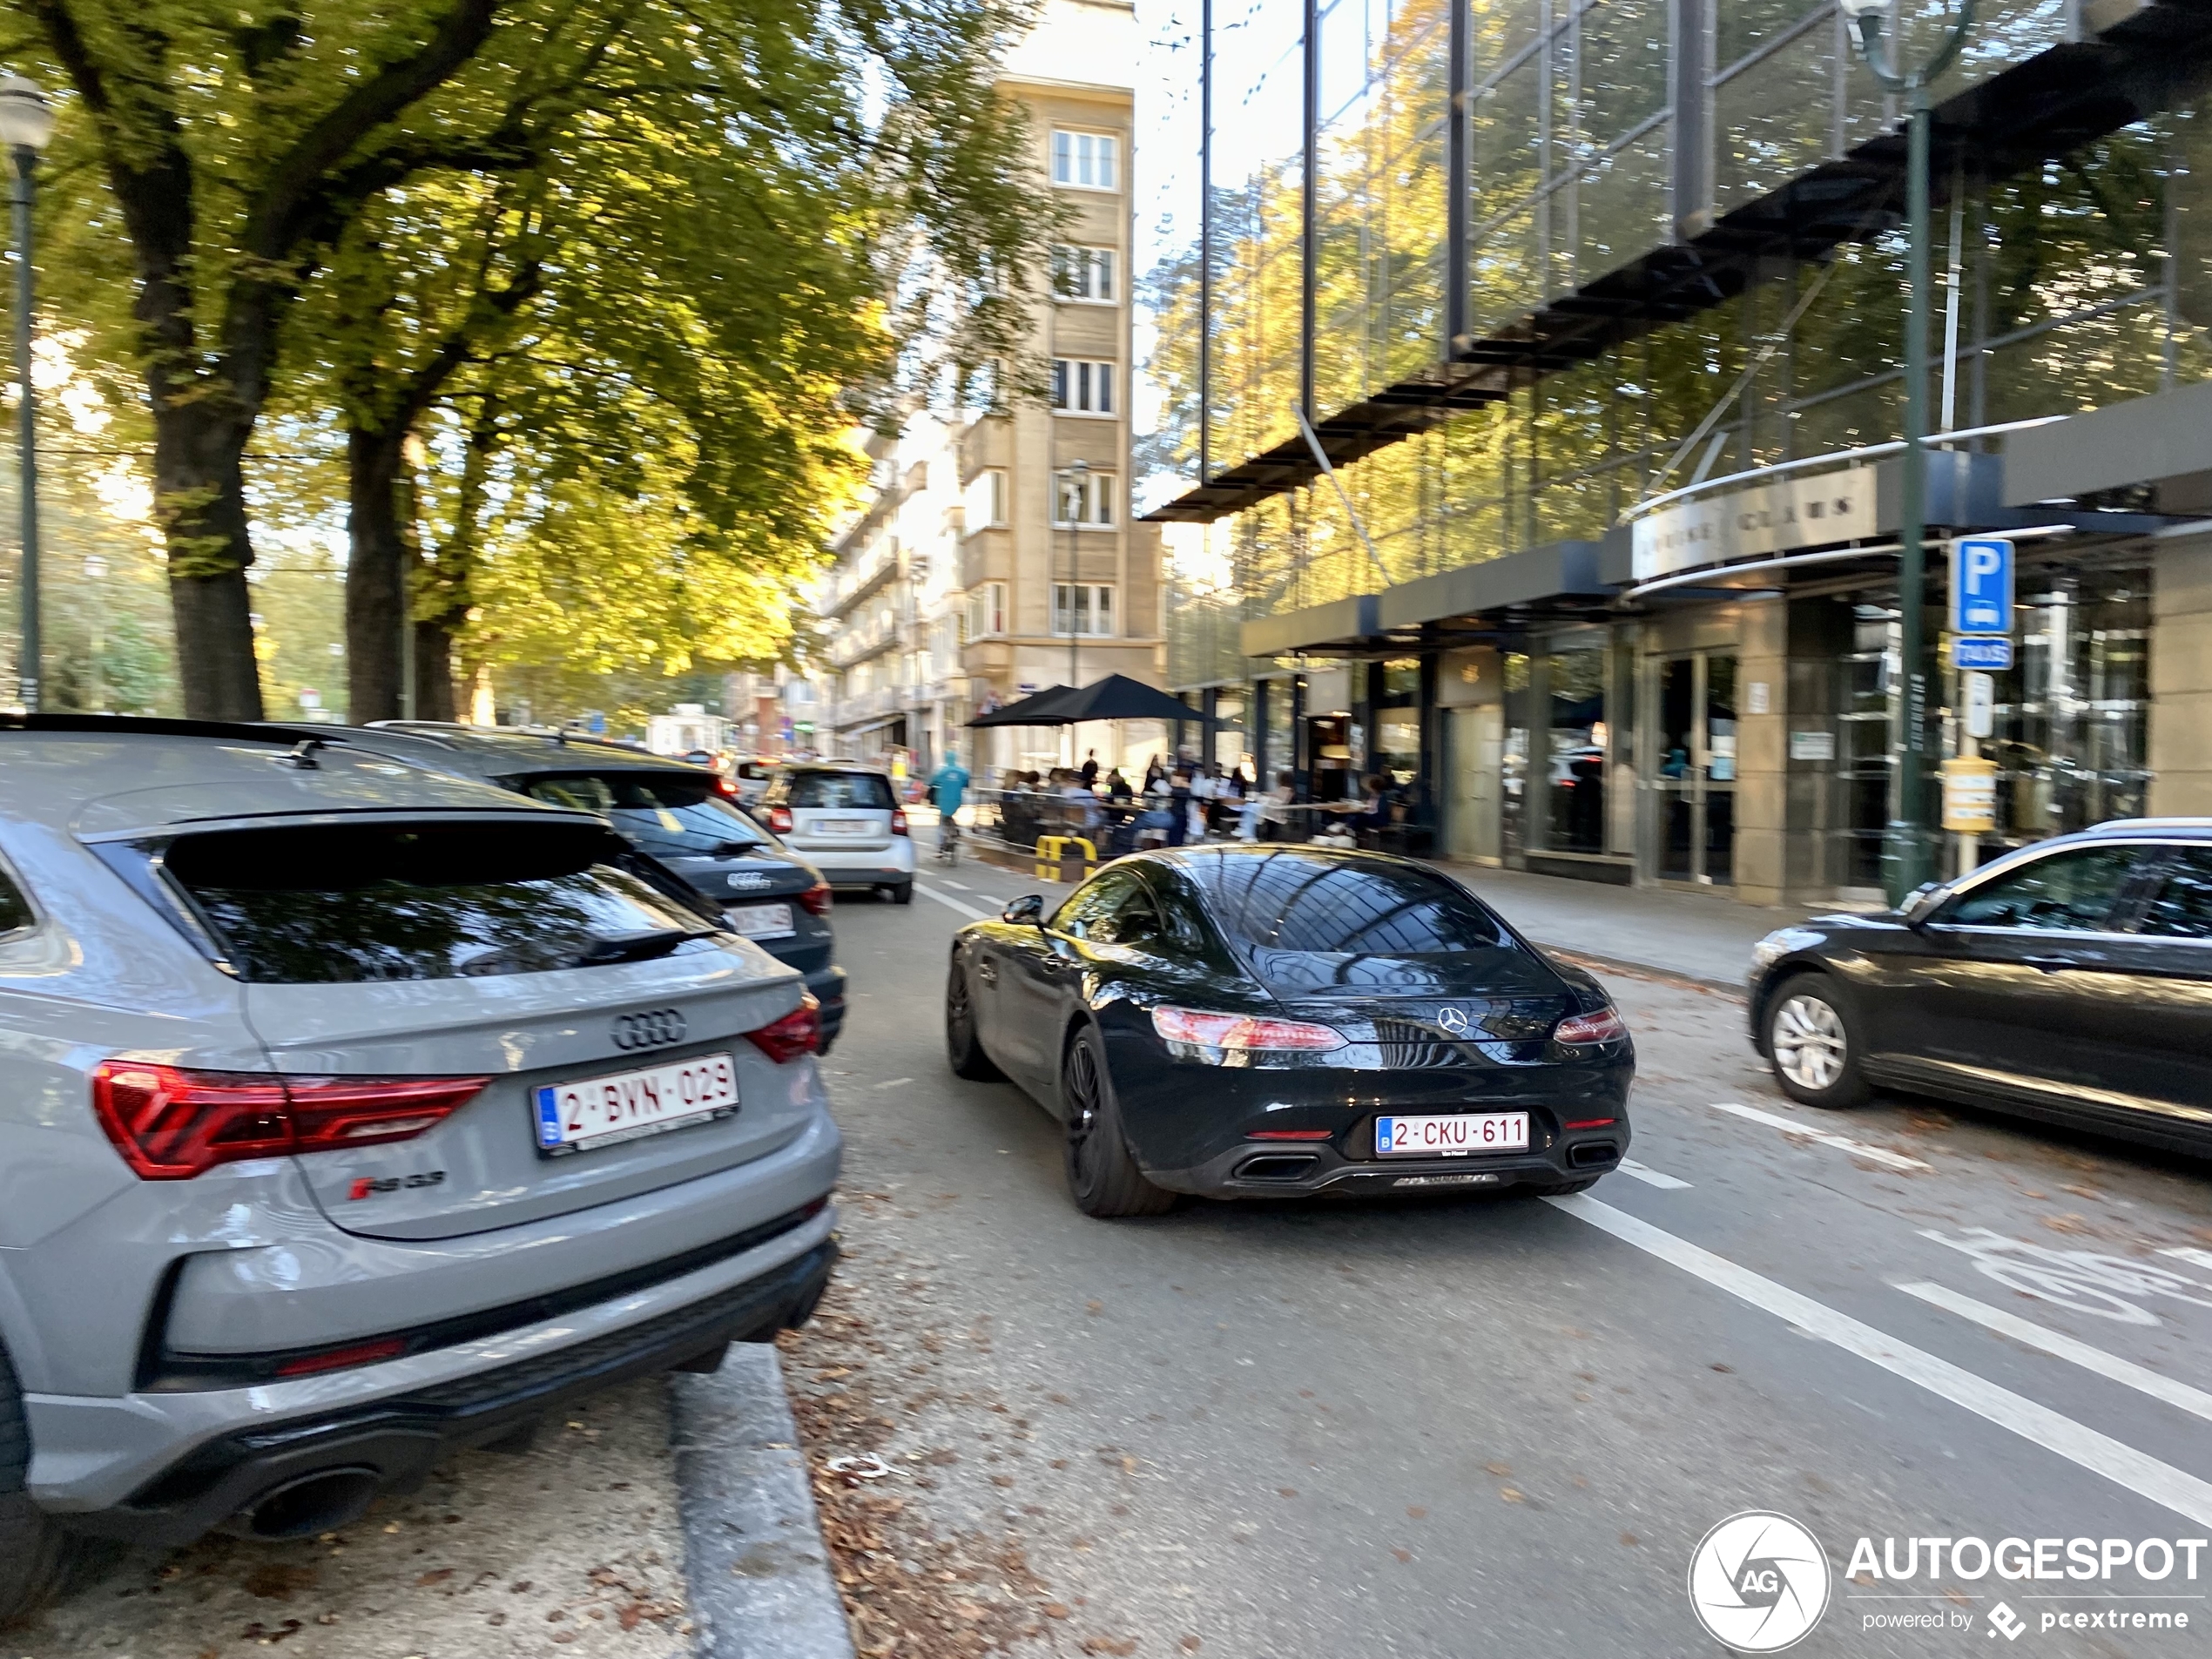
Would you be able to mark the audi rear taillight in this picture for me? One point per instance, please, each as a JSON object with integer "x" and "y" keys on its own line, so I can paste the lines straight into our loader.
{"x": 170, "y": 1124}
{"x": 898, "y": 820}
{"x": 816, "y": 898}
{"x": 779, "y": 820}
{"x": 725, "y": 786}
{"x": 1242, "y": 1031}
{"x": 799, "y": 1032}
{"x": 1604, "y": 1026}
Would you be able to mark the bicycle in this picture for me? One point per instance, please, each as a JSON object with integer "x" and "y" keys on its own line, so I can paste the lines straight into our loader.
{"x": 948, "y": 840}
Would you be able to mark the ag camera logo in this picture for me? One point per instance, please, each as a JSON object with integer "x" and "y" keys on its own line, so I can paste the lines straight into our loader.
{"x": 1758, "y": 1582}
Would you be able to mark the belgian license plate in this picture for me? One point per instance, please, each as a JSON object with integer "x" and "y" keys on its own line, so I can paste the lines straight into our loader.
{"x": 1452, "y": 1137}
{"x": 626, "y": 1105}
{"x": 760, "y": 921}
{"x": 842, "y": 826}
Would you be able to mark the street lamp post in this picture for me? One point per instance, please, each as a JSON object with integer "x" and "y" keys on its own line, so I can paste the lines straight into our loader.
{"x": 26, "y": 122}
{"x": 1908, "y": 842}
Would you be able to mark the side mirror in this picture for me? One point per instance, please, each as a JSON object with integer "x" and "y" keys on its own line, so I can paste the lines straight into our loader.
{"x": 1028, "y": 907}
{"x": 1923, "y": 902}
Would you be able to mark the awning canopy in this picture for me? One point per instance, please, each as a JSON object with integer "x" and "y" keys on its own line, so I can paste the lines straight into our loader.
{"x": 1116, "y": 697}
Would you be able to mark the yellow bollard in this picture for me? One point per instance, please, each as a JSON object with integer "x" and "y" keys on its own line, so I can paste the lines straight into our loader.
{"x": 1052, "y": 853}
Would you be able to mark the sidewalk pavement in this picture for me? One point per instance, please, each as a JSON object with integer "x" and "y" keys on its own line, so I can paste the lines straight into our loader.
{"x": 1706, "y": 937}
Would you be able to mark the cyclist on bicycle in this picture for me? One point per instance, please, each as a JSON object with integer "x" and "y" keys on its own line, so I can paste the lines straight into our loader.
{"x": 948, "y": 788}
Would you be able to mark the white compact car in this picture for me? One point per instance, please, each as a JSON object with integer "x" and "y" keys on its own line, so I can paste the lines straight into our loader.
{"x": 844, "y": 820}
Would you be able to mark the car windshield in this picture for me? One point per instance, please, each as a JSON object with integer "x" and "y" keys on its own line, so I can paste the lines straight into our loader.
{"x": 667, "y": 814}
{"x": 866, "y": 790}
{"x": 342, "y": 904}
{"x": 1317, "y": 926}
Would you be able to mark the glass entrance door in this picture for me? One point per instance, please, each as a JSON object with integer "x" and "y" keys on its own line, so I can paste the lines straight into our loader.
{"x": 1693, "y": 827}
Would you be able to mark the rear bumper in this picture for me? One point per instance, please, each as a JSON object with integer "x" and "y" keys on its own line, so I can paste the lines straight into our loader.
{"x": 828, "y": 986}
{"x": 864, "y": 867}
{"x": 191, "y": 1460}
{"x": 1293, "y": 1168}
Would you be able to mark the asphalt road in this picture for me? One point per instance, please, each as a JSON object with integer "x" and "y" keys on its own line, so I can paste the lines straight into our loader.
{"x": 1502, "y": 1426}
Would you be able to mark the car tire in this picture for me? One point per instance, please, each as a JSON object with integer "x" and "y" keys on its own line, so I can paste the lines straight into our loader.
{"x": 35, "y": 1554}
{"x": 1812, "y": 1043}
{"x": 963, "y": 1046}
{"x": 903, "y": 894}
{"x": 1103, "y": 1177}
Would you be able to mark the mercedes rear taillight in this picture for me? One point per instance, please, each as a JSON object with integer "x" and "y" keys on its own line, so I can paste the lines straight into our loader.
{"x": 170, "y": 1124}
{"x": 1604, "y": 1026}
{"x": 1242, "y": 1031}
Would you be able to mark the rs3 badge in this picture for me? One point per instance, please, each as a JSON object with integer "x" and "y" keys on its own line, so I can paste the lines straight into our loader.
{"x": 370, "y": 1186}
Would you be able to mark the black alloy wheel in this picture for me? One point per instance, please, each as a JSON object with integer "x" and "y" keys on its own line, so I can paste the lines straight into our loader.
{"x": 35, "y": 1555}
{"x": 963, "y": 1046}
{"x": 1102, "y": 1176}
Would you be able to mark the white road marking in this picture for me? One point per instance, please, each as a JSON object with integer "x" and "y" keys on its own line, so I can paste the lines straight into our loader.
{"x": 2161, "y": 1483}
{"x": 2188, "y": 1253}
{"x": 1841, "y": 1142}
{"x": 957, "y": 887}
{"x": 2142, "y": 1381}
{"x": 949, "y": 902}
{"x": 1649, "y": 1176}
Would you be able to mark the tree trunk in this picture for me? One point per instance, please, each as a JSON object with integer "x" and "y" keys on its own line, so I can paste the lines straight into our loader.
{"x": 199, "y": 495}
{"x": 376, "y": 568}
{"x": 434, "y": 696}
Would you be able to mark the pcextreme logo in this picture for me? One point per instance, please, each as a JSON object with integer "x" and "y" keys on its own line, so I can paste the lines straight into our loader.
{"x": 1758, "y": 1582}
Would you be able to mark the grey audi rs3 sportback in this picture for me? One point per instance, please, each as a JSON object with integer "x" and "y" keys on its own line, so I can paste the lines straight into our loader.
{"x": 350, "y": 1113}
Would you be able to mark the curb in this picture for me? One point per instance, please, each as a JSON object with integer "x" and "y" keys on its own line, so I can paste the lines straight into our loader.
{"x": 1731, "y": 988}
{"x": 758, "y": 1571}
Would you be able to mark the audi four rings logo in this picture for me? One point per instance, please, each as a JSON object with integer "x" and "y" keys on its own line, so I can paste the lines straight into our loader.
{"x": 1452, "y": 1020}
{"x": 656, "y": 1029}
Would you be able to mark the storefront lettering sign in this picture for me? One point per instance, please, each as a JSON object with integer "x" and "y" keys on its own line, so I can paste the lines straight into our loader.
{"x": 1773, "y": 517}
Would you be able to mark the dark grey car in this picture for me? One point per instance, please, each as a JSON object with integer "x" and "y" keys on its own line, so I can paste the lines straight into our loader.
{"x": 685, "y": 816}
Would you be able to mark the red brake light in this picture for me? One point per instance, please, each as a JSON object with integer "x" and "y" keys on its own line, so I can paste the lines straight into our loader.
{"x": 1604, "y": 1026}
{"x": 170, "y": 1124}
{"x": 1241, "y": 1031}
{"x": 1589, "y": 1122}
{"x": 799, "y": 1032}
{"x": 816, "y": 898}
{"x": 898, "y": 820}
{"x": 779, "y": 820}
{"x": 725, "y": 786}
{"x": 361, "y": 1353}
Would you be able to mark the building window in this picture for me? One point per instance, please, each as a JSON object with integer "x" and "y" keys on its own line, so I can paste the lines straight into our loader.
{"x": 1081, "y": 387}
{"x": 986, "y": 501}
{"x": 1087, "y": 503}
{"x": 986, "y": 611}
{"x": 1084, "y": 274}
{"x": 1082, "y": 608}
{"x": 1083, "y": 160}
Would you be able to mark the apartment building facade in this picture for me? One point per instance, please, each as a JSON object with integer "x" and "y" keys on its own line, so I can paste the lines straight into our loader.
{"x": 996, "y": 554}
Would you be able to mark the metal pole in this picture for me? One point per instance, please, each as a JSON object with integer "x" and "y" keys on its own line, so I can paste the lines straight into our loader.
{"x": 1907, "y": 856}
{"x": 1205, "y": 241}
{"x": 27, "y": 668}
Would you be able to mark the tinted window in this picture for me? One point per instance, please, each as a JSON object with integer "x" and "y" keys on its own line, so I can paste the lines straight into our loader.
{"x": 1113, "y": 908}
{"x": 344, "y": 904}
{"x": 670, "y": 816}
{"x": 1296, "y": 903}
{"x": 2069, "y": 892}
{"x": 2183, "y": 907}
{"x": 14, "y": 909}
{"x": 864, "y": 790}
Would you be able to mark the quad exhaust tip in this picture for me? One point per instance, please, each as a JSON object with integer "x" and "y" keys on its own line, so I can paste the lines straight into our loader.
{"x": 309, "y": 1504}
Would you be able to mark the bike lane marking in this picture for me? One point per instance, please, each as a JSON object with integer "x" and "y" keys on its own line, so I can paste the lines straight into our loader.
{"x": 1650, "y": 1176}
{"x": 2108, "y": 1365}
{"x": 2146, "y": 1476}
{"x": 1842, "y": 1142}
{"x": 949, "y": 902}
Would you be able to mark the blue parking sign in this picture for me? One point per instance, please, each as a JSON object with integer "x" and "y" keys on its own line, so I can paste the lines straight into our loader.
{"x": 1981, "y": 585}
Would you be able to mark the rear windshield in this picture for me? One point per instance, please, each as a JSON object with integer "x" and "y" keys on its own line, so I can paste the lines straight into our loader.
{"x": 342, "y": 904}
{"x": 1317, "y": 925}
{"x": 864, "y": 790}
{"x": 670, "y": 816}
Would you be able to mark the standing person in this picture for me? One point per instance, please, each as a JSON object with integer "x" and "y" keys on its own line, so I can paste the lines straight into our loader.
{"x": 1178, "y": 805}
{"x": 1275, "y": 807}
{"x": 1090, "y": 769}
{"x": 1153, "y": 772}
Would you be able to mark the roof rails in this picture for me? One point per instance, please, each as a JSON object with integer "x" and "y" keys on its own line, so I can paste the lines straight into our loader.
{"x": 155, "y": 725}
